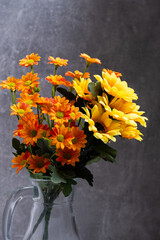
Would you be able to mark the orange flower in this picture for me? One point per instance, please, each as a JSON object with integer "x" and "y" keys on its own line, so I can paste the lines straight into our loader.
{"x": 68, "y": 156}
{"x": 57, "y": 61}
{"x": 110, "y": 72}
{"x": 27, "y": 82}
{"x": 58, "y": 80}
{"x": 11, "y": 83}
{"x": 20, "y": 109}
{"x": 61, "y": 110}
{"x": 77, "y": 74}
{"x": 38, "y": 164}
{"x": 28, "y": 99}
{"x": 30, "y": 60}
{"x": 75, "y": 113}
{"x": 46, "y": 105}
{"x": 79, "y": 140}
{"x": 20, "y": 161}
{"x": 90, "y": 60}
{"x": 61, "y": 137}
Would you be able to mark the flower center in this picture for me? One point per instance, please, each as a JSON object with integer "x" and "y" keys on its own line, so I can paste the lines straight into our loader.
{"x": 21, "y": 111}
{"x": 60, "y": 138}
{"x": 27, "y": 83}
{"x": 29, "y": 102}
{"x": 99, "y": 127}
{"x": 59, "y": 114}
{"x": 67, "y": 156}
{"x": 11, "y": 84}
{"x": 72, "y": 114}
{"x": 23, "y": 162}
{"x": 33, "y": 133}
{"x": 74, "y": 140}
{"x": 30, "y": 61}
{"x": 40, "y": 164}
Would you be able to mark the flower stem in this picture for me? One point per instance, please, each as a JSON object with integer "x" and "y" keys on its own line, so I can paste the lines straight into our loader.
{"x": 85, "y": 69}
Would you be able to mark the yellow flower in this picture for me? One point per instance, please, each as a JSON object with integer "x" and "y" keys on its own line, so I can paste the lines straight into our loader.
{"x": 30, "y": 60}
{"x": 81, "y": 88}
{"x": 115, "y": 87}
{"x": 57, "y": 61}
{"x": 131, "y": 132}
{"x": 103, "y": 127}
{"x": 11, "y": 83}
{"x": 90, "y": 60}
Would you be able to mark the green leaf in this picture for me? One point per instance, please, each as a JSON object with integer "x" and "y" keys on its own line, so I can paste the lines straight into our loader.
{"x": 56, "y": 177}
{"x": 67, "y": 189}
{"x": 95, "y": 88}
{"x": 65, "y": 93}
{"x": 94, "y": 160}
{"x": 15, "y": 143}
{"x": 84, "y": 173}
{"x": 44, "y": 146}
{"x": 37, "y": 175}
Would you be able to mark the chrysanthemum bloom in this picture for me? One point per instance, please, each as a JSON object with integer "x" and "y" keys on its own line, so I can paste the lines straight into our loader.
{"x": 29, "y": 99}
{"x": 61, "y": 136}
{"x": 75, "y": 113}
{"x": 115, "y": 87}
{"x": 57, "y": 61}
{"x": 20, "y": 161}
{"x": 79, "y": 139}
{"x": 131, "y": 132}
{"x": 27, "y": 82}
{"x": 38, "y": 164}
{"x": 77, "y": 74}
{"x": 81, "y": 88}
{"x": 67, "y": 156}
{"x": 20, "y": 109}
{"x": 61, "y": 110}
{"x": 90, "y": 60}
{"x": 103, "y": 127}
{"x": 118, "y": 74}
{"x": 46, "y": 104}
{"x": 58, "y": 80}
{"x": 30, "y": 60}
{"x": 121, "y": 110}
{"x": 11, "y": 83}
{"x": 30, "y": 131}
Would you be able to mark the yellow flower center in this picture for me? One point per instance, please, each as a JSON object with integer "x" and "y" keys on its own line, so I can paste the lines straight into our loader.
{"x": 74, "y": 140}
{"x": 40, "y": 164}
{"x": 33, "y": 133}
{"x": 67, "y": 156}
{"x": 60, "y": 138}
{"x": 21, "y": 111}
{"x": 11, "y": 84}
{"x": 59, "y": 114}
{"x": 27, "y": 83}
{"x": 29, "y": 102}
{"x": 23, "y": 162}
{"x": 30, "y": 61}
{"x": 72, "y": 114}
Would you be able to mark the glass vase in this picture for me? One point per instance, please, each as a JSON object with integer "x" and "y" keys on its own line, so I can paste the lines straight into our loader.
{"x": 51, "y": 217}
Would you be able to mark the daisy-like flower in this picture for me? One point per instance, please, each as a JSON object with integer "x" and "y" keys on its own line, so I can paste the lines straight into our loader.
{"x": 110, "y": 72}
{"x": 30, "y": 131}
{"x": 20, "y": 161}
{"x": 58, "y": 80}
{"x": 90, "y": 60}
{"x": 29, "y": 99}
{"x": 131, "y": 132}
{"x": 27, "y": 82}
{"x": 61, "y": 137}
{"x": 11, "y": 83}
{"x": 79, "y": 139}
{"x": 20, "y": 109}
{"x": 38, "y": 164}
{"x": 67, "y": 156}
{"x": 103, "y": 127}
{"x": 75, "y": 113}
{"x": 61, "y": 110}
{"x": 81, "y": 88}
{"x": 46, "y": 105}
{"x": 115, "y": 87}
{"x": 77, "y": 74}
{"x": 57, "y": 61}
{"x": 30, "y": 60}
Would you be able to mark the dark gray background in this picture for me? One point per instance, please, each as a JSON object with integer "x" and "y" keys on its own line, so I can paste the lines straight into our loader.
{"x": 124, "y": 203}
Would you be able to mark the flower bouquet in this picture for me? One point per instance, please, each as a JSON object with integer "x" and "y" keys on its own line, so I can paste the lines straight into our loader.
{"x": 62, "y": 134}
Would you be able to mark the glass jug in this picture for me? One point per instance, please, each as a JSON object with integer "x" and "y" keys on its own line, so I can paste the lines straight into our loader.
{"x": 51, "y": 215}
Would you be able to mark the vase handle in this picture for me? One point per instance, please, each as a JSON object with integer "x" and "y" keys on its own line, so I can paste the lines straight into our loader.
{"x": 10, "y": 206}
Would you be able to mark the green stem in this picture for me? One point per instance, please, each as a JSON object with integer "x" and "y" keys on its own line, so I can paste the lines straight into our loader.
{"x": 85, "y": 69}
{"x": 47, "y": 217}
{"x": 38, "y": 114}
{"x": 12, "y": 97}
{"x": 32, "y": 70}
{"x": 30, "y": 149}
{"x": 55, "y": 69}
{"x": 48, "y": 121}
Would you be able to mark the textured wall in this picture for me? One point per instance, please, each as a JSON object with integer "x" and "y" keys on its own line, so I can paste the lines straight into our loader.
{"x": 125, "y": 200}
